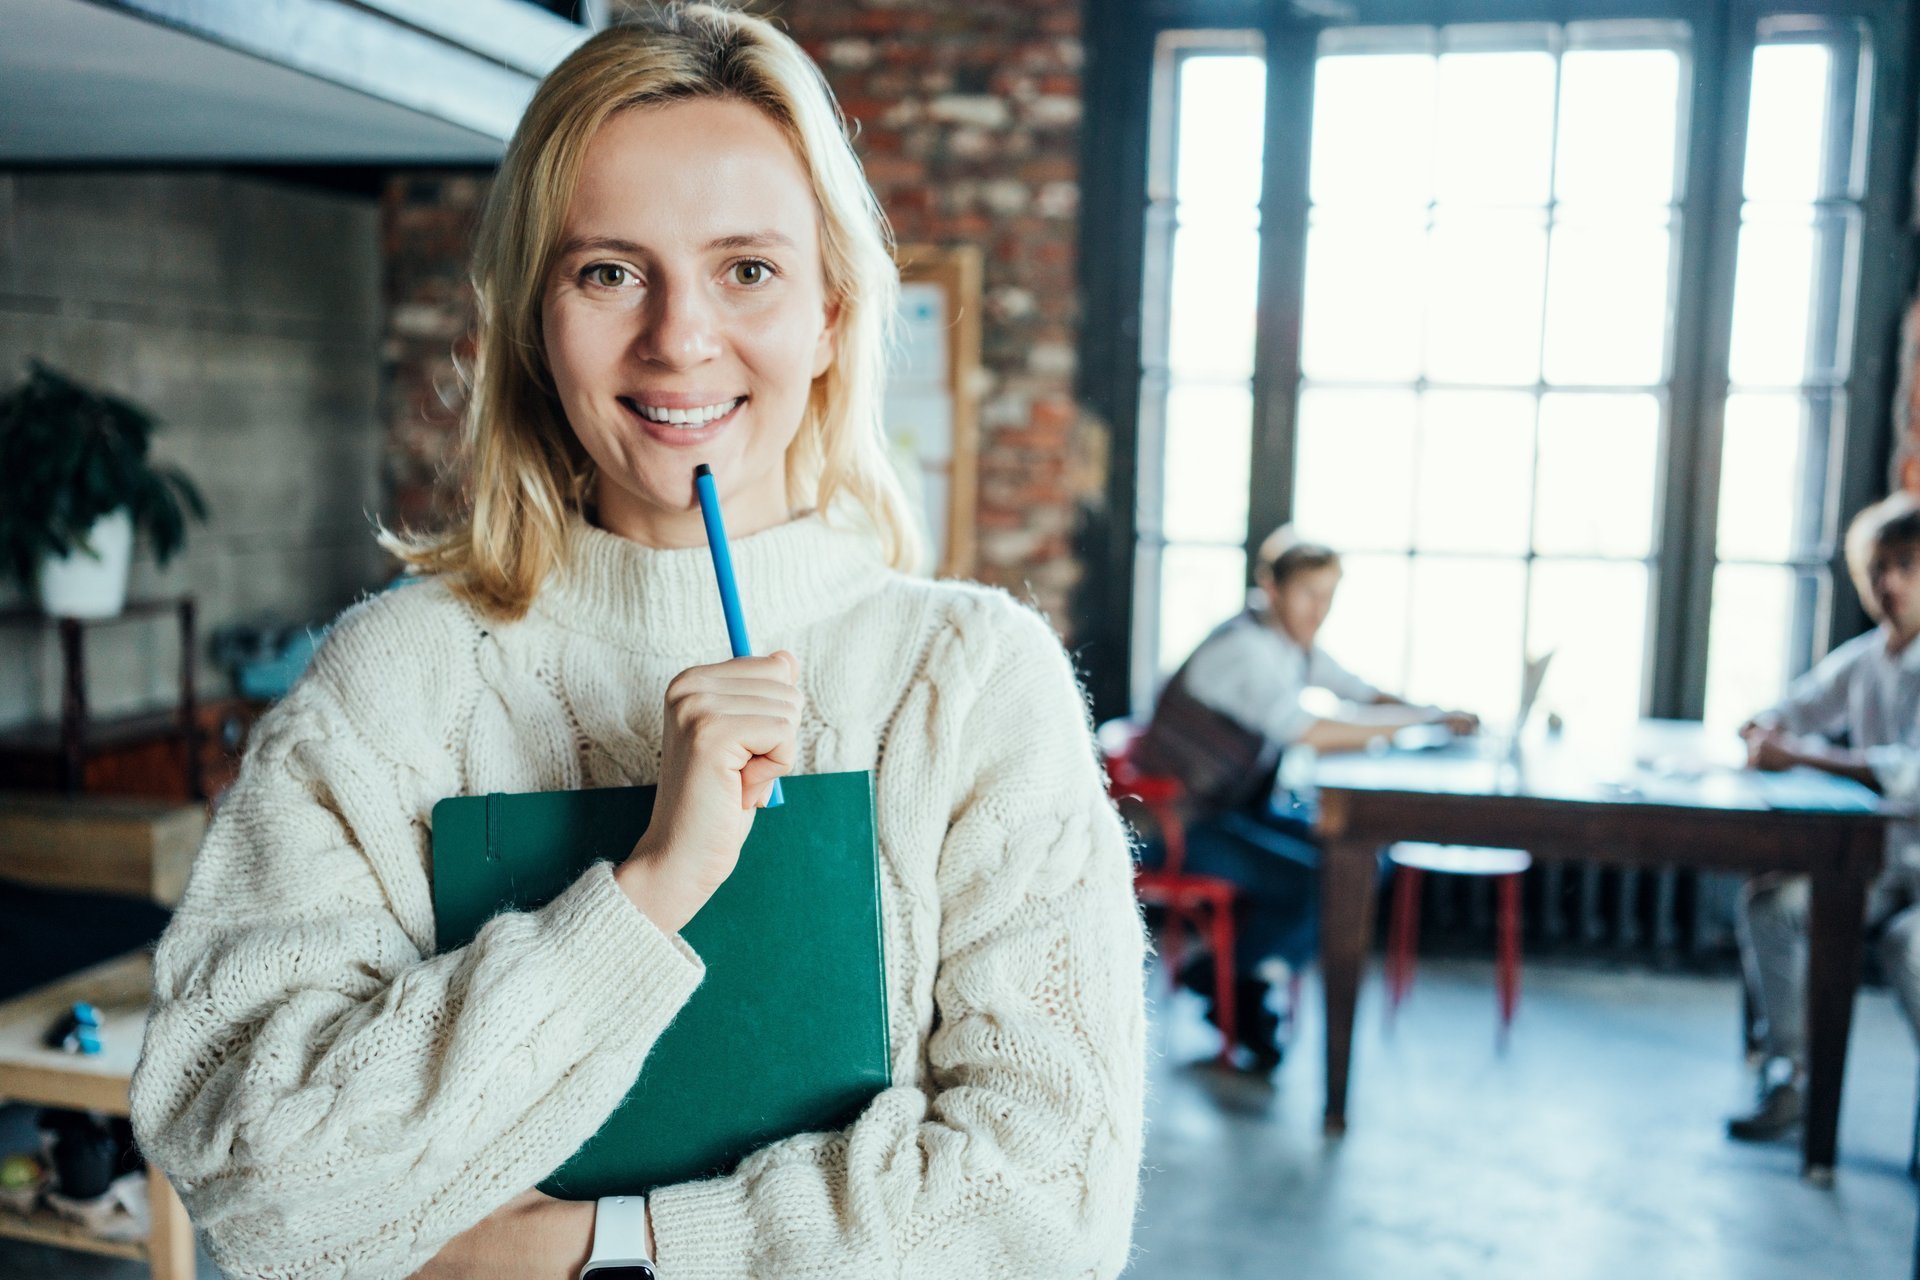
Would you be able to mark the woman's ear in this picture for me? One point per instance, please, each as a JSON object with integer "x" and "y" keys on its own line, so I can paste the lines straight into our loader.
{"x": 829, "y": 335}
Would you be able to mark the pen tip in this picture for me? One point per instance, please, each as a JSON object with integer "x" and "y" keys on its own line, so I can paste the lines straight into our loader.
{"x": 702, "y": 470}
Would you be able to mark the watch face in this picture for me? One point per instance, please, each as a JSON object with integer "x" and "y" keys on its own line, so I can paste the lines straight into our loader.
{"x": 624, "y": 1271}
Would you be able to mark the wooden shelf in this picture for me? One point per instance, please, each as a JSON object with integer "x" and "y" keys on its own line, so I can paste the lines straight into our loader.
{"x": 44, "y": 1226}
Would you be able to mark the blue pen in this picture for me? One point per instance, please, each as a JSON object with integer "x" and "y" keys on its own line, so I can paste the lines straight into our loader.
{"x": 723, "y": 570}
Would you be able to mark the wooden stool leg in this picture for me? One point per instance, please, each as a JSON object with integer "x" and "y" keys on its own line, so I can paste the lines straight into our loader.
{"x": 1509, "y": 952}
{"x": 170, "y": 1252}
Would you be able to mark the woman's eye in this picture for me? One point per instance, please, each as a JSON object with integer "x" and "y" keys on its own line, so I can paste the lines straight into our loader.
{"x": 605, "y": 274}
{"x": 752, "y": 272}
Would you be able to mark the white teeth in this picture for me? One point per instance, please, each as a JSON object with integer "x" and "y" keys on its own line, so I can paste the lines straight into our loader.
{"x": 685, "y": 417}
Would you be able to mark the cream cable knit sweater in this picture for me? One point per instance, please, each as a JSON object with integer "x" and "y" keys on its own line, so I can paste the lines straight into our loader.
{"x": 334, "y": 1099}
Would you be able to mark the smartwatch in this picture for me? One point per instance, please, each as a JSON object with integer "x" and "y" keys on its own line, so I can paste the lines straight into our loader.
{"x": 619, "y": 1241}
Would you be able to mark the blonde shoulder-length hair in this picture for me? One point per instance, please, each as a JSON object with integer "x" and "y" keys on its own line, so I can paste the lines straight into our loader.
{"x": 526, "y": 470}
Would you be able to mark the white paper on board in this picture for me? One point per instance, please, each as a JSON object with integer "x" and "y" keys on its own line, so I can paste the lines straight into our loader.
{"x": 921, "y": 421}
{"x": 921, "y": 357}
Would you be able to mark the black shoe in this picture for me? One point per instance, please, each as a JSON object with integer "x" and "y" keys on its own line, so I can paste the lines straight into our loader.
{"x": 1780, "y": 1111}
{"x": 1196, "y": 974}
{"x": 1258, "y": 1028}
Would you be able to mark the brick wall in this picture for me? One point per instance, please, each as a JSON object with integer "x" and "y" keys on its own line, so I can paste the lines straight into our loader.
{"x": 968, "y": 125}
{"x": 1906, "y": 405}
{"x": 427, "y": 221}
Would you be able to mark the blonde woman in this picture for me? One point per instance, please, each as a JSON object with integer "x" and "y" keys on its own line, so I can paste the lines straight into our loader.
{"x": 680, "y": 263}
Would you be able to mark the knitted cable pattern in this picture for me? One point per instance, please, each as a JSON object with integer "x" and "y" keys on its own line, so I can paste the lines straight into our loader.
{"x": 332, "y": 1098}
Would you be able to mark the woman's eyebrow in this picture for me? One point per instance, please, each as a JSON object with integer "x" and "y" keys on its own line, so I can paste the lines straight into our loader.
{"x": 752, "y": 240}
{"x": 614, "y": 244}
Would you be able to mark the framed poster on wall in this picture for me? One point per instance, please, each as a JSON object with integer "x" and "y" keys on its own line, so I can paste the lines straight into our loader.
{"x": 931, "y": 406}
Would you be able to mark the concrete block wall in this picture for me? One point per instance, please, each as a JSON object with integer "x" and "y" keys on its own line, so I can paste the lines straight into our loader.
{"x": 245, "y": 314}
{"x": 968, "y": 125}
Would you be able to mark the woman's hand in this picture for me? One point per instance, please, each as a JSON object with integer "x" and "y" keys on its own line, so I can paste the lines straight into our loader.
{"x": 1463, "y": 723}
{"x": 530, "y": 1237}
{"x": 731, "y": 730}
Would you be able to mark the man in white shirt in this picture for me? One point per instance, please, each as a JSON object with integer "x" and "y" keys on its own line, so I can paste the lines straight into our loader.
{"x": 1222, "y": 723}
{"x": 1867, "y": 691}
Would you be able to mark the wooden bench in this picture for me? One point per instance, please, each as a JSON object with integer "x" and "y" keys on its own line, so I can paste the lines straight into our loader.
{"x": 33, "y": 1074}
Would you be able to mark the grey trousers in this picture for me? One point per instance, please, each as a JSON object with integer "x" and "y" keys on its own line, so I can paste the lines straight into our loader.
{"x": 1772, "y": 926}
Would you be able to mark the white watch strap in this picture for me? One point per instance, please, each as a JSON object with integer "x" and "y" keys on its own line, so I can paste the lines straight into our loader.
{"x": 620, "y": 1229}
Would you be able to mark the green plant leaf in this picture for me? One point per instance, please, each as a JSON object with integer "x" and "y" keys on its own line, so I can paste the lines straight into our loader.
{"x": 70, "y": 454}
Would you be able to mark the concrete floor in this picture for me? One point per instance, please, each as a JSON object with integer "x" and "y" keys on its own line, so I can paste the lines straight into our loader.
{"x": 1591, "y": 1150}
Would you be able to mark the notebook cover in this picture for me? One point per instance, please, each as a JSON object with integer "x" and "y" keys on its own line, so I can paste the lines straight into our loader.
{"x": 788, "y": 1032}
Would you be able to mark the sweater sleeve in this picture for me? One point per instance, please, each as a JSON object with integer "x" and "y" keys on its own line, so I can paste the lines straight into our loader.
{"x": 329, "y": 1096}
{"x": 1018, "y": 1153}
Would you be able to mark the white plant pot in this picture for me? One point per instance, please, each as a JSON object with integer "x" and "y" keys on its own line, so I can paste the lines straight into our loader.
{"x": 78, "y": 585}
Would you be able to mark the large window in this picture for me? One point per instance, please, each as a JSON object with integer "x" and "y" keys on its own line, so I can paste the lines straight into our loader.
{"x": 1491, "y": 312}
{"x": 1486, "y": 452}
{"x": 1196, "y": 387}
{"x": 1794, "y": 292}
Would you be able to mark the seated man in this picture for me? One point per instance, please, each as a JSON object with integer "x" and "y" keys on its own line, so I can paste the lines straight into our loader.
{"x": 1221, "y": 725}
{"x": 1867, "y": 690}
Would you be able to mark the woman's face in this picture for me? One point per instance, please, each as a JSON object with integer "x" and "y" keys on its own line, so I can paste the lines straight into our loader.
{"x": 686, "y": 316}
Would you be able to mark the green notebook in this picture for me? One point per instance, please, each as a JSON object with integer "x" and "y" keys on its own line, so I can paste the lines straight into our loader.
{"x": 788, "y": 1032}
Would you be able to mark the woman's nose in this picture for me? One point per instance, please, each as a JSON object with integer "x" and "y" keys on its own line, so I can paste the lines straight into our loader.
{"x": 677, "y": 329}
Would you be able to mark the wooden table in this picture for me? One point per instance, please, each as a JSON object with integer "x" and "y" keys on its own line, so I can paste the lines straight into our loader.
{"x": 1665, "y": 795}
{"x": 33, "y": 1074}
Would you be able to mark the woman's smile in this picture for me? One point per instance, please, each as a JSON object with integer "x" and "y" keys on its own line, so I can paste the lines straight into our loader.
{"x": 662, "y": 419}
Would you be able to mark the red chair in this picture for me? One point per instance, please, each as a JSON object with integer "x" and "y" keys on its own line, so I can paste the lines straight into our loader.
{"x": 1202, "y": 904}
{"x": 1411, "y": 862}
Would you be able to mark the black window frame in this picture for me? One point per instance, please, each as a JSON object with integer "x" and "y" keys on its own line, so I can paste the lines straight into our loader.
{"x": 1121, "y": 42}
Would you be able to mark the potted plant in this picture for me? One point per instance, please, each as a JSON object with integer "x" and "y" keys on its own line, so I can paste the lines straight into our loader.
{"x": 76, "y": 484}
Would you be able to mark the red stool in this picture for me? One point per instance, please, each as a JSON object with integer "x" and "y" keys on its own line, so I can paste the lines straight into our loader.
{"x": 1202, "y": 904}
{"x": 1411, "y": 862}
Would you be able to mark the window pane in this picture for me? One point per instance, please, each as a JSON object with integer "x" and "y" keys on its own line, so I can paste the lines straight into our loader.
{"x": 1209, "y": 459}
{"x": 1762, "y": 457}
{"x": 1200, "y": 587}
{"x": 1619, "y": 126}
{"x": 1607, "y": 302}
{"x": 1355, "y": 469}
{"x": 1787, "y": 122}
{"x": 1495, "y": 141}
{"x": 1598, "y": 474}
{"x": 1215, "y": 270}
{"x": 1476, "y": 471}
{"x": 1593, "y": 615}
{"x": 1367, "y": 630}
{"x": 1222, "y": 117}
{"x": 1362, "y": 315}
{"x": 1466, "y": 634}
{"x": 1488, "y": 274}
{"x": 1373, "y": 130}
{"x": 1773, "y": 298}
{"x": 1747, "y": 653}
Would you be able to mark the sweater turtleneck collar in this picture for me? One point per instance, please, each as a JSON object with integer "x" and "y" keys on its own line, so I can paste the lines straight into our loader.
{"x": 666, "y": 599}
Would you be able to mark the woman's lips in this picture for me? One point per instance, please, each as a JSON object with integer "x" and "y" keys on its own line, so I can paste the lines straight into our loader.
{"x": 681, "y": 435}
